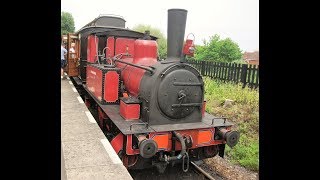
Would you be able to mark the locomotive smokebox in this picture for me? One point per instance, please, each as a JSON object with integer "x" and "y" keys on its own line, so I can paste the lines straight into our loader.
{"x": 176, "y": 28}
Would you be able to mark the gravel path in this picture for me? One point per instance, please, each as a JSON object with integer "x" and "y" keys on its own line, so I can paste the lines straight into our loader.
{"x": 230, "y": 171}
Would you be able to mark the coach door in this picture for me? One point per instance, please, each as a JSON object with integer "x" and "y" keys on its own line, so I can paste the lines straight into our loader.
{"x": 73, "y": 55}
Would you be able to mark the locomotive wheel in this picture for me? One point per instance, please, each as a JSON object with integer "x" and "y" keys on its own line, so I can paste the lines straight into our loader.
{"x": 210, "y": 151}
{"x": 87, "y": 102}
{"x": 101, "y": 122}
{"x": 129, "y": 160}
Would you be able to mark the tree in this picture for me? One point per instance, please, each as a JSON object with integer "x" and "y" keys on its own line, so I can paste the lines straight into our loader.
{"x": 67, "y": 23}
{"x": 162, "y": 41}
{"x": 218, "y": 50}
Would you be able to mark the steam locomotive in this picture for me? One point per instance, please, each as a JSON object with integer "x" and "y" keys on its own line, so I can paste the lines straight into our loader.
{"x": 152, "y": 111}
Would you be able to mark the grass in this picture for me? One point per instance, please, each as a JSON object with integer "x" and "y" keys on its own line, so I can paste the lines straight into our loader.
{"x": 244, "y": 113}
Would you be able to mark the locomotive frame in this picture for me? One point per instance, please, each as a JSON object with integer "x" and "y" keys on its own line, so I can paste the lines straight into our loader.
{"x": 151, "y": 111}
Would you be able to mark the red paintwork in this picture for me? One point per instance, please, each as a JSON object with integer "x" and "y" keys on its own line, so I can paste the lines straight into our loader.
{"x": 94, "y": 81}
{"x": 102, "y": 116}
{"x": 124, "y": 45}
{"x": 145, "y": 49}
{"x": 159, "y": 138}
{"x": 87, "y": 102}
{"x": 125, "y": 160}
{"x": 204, "y": 107}
{"x": 129, "y": 150}
{"x": 111, "y": 86}
{"x": 125, "y": 95}
{"x": 163, "y": 138}
{"x": 187, "y": 45}
{"x": 129, "y": 161}
{"x": 145, "y": 53}
{"x": 194, "y": 136}
{"x": 129, "y": 111}
{"x": 117, "y": 142}
{"x": 92, "y": 48}
{"x": 110, "y": 49}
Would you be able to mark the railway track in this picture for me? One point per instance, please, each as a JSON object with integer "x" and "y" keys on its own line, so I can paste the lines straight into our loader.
{"x": 203, "y": 169}
{"x": 198, "y": 168}
{"x": 197, "y": 171}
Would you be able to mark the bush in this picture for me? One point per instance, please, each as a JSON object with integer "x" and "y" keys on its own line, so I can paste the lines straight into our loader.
{"x": 245, "y": 153}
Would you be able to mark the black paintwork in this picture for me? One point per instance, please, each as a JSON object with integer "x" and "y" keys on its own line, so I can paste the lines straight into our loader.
{"x": 130, "y": 100}
{"x": 113, "y": 112}
{"x": 161, "y": 98}
{"x": 176, "y": 28}
{"x": 107, "y": 20}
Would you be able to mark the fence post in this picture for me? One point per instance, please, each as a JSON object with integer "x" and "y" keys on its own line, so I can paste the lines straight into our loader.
{"x": 202, "y": 67}
{"x": 257, "y": 78}
{"x": 244, "y": 74}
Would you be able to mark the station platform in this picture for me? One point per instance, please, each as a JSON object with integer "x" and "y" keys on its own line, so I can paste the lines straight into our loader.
{"x": 85, "y": 151}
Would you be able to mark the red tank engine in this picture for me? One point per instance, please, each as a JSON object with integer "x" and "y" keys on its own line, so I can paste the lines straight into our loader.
{"x": 152, "y": 111}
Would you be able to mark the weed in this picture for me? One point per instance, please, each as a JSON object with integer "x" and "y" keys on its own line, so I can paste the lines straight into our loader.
{"x": 244, "y": 114}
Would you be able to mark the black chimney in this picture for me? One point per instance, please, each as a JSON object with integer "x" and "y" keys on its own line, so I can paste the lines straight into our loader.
{"x": 176, "y": 27}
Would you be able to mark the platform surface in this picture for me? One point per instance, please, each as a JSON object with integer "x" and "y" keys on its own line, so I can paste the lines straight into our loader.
{"x": 85, "y": 151}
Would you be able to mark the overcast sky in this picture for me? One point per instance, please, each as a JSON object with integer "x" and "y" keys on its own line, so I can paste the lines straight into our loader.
{"x": 237, "y": 19}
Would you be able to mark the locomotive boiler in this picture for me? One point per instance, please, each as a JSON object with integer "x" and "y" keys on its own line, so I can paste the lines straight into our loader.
{"x": 152, "y": 111}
